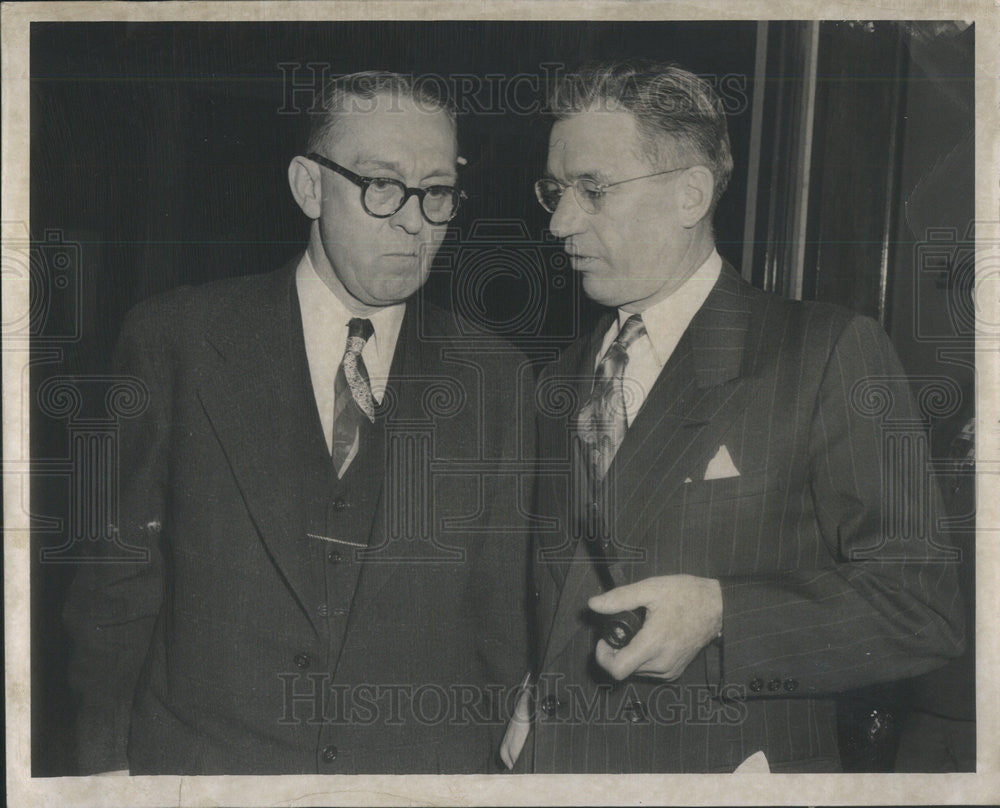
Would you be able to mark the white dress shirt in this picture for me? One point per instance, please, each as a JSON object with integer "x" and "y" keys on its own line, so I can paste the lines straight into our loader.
{"x": 324, "y": 326}
{"x": 665, "y": 322}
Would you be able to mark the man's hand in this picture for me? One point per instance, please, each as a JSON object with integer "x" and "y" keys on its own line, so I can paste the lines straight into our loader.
{"x": 683, "y": 615}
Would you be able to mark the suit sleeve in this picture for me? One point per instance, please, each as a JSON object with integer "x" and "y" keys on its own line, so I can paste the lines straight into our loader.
{"x": 887, "y": 606}
{"x": 116, "y": 595}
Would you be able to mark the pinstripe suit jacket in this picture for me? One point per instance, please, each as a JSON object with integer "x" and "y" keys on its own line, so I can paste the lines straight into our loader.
{"x": 820, "y": 593}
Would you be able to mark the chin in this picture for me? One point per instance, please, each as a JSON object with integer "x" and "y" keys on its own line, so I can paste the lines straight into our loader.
{"x": 391, "y": 295}
{"x": 600, "y": 294}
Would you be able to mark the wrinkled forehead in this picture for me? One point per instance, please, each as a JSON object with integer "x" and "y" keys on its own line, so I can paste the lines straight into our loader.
{"x": 597, "y": 143}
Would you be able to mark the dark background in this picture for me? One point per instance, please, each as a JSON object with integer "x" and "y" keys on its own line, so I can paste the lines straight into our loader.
{"x": 159, "y": 155}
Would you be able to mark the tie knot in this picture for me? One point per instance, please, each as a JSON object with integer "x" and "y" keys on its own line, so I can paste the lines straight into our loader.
{"x": 631, "y": 331}
{"x": 616, "y": 357}
{"x": 359, "y": 331}
{"x": 360, "y": 328}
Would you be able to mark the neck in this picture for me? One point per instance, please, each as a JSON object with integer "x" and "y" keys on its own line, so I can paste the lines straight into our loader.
{"x": 699, "y": 249}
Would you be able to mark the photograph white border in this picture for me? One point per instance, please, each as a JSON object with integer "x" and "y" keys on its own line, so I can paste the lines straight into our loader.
{"x": 648, "y": 789}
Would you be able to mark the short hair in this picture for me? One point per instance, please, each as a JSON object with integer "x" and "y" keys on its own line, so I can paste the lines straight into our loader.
{"x": 345, "y": 93}
{"x": 667, "y": 101}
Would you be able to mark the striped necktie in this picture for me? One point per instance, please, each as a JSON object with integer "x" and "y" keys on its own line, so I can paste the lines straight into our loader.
{"x": 601, "y": 422}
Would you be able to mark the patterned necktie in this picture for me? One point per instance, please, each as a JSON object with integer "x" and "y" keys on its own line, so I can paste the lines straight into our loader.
{"x": 352, "y": 376}
{"x": 601, "y": 426}
{"x": 601, "y": 423}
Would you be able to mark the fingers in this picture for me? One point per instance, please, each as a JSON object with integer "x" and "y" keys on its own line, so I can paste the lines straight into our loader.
{"x": 607, "y": 658}
{"x": 623, "y": 662}
{"x": 638, "y": 662}
{"x": 622, "y": 598}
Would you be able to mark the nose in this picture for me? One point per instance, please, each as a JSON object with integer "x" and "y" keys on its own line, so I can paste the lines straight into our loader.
{"x": 566, "y": 221}
{"x": 409, "y": 217}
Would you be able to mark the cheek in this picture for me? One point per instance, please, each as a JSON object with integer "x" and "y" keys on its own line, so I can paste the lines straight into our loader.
{"x": 429, "y": 246}
{"x": 433, "y": 236}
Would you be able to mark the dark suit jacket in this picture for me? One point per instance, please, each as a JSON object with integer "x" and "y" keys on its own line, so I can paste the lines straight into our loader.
{"x": 819, "y": 595}
{"x": 196, "y": 661}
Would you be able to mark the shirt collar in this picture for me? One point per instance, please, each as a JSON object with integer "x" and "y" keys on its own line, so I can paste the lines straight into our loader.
{"x": 667, "y": 319}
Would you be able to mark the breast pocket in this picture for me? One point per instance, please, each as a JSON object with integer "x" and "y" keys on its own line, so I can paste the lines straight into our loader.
{"x": 727, "y": 488}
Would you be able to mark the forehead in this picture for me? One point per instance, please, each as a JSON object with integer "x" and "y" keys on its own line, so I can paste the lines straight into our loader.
{"x": 599, "y": 143}
{"x": 396, "y": 129}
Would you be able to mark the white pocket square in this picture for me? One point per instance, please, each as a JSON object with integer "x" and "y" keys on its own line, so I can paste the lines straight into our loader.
{"x": 721, "y": 466}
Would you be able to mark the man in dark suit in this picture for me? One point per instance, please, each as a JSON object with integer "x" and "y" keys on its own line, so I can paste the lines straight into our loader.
{"x": 714, "y": 472}
{"x": 328, "y": 551}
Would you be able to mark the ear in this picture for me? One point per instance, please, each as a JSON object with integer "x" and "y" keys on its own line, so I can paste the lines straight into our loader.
{"x": 696, "y": 187}
{"x": 304, "y": 180}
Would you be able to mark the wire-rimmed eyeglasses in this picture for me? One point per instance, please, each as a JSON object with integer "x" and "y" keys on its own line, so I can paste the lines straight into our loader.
{"x": 381, "y": 197}
{"x": 589, "y": 194}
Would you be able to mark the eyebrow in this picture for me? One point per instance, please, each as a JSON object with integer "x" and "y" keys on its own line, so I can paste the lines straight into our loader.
{"x": 390, "y": 165}
{"x": 597, "y": 177}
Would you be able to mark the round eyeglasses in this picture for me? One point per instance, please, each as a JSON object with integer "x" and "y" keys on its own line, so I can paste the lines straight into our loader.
{"x": 382, "y": 197}
{"x": 589, "y": 194}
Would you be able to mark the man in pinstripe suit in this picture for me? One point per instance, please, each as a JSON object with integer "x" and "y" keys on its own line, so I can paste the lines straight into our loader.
{"x": 741, "y": 508}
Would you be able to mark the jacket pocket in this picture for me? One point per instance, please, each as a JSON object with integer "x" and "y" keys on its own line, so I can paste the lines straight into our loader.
{"x": 711, "y": 491}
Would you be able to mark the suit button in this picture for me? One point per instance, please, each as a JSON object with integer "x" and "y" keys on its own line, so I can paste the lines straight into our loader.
{"x": 329, "y": 753}
{"x": 334, "y": 556}
{"x": 536, "y": 595}
{"x": 341, "y": 505}
{"x": 301, "y": 660}
{"x": 323, "y": 610}
{"x": 791, "y": 684}
{"x": 549, "y": 705}
{"x": 635, "y": 712}
{"x": 756, "y": 685}
{"x": 774, "y": 684}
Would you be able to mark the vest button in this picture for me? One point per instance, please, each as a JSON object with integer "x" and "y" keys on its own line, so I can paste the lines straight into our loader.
{"x": 301, "y": 660}
{"x": 635, "y": 712}
{"x": 756, "y": 685}
{"x": 335, "y": 556}
{"x": 549, "y": 705}
{"x": 329, "y": 753}
{"x": 341, "y": 505}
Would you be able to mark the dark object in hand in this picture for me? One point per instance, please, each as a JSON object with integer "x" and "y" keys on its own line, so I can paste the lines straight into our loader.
{"x": 619, "y": 629}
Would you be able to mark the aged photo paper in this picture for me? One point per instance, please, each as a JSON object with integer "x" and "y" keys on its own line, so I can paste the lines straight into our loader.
{"x": 147, "y": 147}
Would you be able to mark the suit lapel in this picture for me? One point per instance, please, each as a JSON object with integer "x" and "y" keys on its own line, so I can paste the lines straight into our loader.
{"x": 704, "y": 385}
{"x": 577, "y": 370}
{"x": 259, "y": 400}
